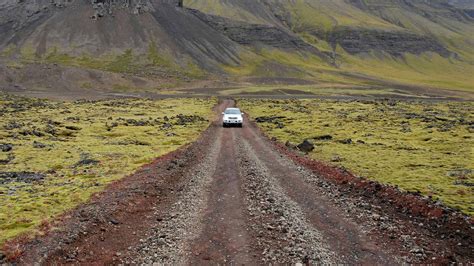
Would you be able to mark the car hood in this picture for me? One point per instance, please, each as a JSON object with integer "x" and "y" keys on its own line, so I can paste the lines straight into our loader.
{"x": 228, "y": 116}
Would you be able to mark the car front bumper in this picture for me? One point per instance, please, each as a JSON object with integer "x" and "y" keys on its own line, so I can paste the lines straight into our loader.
{"x": 232, "y": 122}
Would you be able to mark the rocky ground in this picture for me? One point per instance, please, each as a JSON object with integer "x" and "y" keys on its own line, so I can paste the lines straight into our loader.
{"x": 235, "y": 196}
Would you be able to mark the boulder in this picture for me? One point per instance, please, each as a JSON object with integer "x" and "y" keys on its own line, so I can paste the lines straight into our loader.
{"x": 323, "y": 137}
{"x": 306, "y": 146}
{"x": 6, "y": 147}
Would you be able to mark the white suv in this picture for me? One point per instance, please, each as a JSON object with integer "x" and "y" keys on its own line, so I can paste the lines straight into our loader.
{"x": 232, "y": 116}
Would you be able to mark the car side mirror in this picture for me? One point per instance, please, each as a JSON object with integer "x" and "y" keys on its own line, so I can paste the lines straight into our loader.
{"x": 223, "y": 113}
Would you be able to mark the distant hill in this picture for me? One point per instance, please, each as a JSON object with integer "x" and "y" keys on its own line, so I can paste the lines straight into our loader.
{"x": 421, "y": 43}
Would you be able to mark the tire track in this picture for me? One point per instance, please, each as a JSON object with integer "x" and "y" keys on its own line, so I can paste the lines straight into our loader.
{"x": 283, "y": 232}
{"x": 170, "y": 237}
{"x": 224, "y": 239}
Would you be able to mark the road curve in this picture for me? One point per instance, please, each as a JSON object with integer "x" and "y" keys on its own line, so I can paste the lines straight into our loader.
{"x": 231, "y": 198}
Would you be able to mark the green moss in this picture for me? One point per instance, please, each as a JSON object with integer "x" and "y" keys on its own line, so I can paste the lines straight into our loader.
{"x": 28, "y": 53}
{"x": 157, "y": 59}
{"x": 416, "y": 146}
{"x": 224, "y": 9}
{"x": 121, "y": 135}
{"x": 8, "y": 51}
{"x": 122, "y": 63}
{"x": 87, "y": 85}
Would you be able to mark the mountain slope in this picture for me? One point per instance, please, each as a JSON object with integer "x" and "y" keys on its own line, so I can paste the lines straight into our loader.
{"x": 45, "y": 26}
{"x": 399, "y": 43}
{"x": 429, "y": 43}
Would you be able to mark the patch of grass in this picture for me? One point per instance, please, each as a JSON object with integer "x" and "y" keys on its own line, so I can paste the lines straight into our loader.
{"x": 429, "y": 70}
{"x": 8, "y": 51}
{"x": 80, "y": 147}
{"x": 326, "y": 14}
{"x": 126, "y": 62}
{"x": 425, "y": 147}
{"x": 225, "y": 9}
{"x": 158, "y": 59}
{"x": 123, "y": 63}
{"x": 322, "y": 89}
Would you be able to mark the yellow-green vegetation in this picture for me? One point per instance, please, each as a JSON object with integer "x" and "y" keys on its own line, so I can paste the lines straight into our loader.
{"x": 322, "y": 89}
{"x": 422, "y": 146}
{"x": 428, "y": 70}
{"x": 327, "y": 14}
{"x": 55, "y": 155}
{"x": 225, "y": 9}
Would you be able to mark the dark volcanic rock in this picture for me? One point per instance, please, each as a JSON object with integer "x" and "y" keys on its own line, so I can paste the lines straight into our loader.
{"x": 268, "y": 119}
{"x": 6, "y": 147}
{"x": 86, "y": 161}
{"x": 38, "y": 145}
{"x": 250, "y": 34}
{"x": 73, "y": 128}
{"x": 306, "y": 146}
{"x": 24, "y": 177}
{"x": 323, "y": 137}
{"x": 188, "y": 119}
{"x": 396, "y": 43}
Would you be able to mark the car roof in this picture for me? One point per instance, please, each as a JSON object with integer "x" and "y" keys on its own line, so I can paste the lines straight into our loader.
{"x": 232, "y": 109}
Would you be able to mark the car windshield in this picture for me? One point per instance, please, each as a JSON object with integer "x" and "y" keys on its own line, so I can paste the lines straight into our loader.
{"x": 232, "y": 112}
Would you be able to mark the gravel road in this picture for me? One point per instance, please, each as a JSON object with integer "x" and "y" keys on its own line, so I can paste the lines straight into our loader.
{"x": 232, "y": 197}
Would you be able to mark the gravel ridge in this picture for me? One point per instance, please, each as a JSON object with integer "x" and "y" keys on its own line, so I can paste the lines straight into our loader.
{"x": 168, "y": 242}
{"x": 284, "y": 234}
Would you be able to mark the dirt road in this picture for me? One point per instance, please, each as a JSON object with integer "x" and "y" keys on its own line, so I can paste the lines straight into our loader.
{"x": 233, "y": 197}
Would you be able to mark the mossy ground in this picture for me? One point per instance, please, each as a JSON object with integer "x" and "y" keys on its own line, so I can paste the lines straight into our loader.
{"x": 425, "y": 147}
{"x": 82, "y": 146}
{"x": 321, "y": 89}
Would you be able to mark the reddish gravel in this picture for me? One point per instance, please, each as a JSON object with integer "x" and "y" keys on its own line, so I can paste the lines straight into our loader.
{"x": 437, "y": 221}
{"x": 235, "y": 197}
